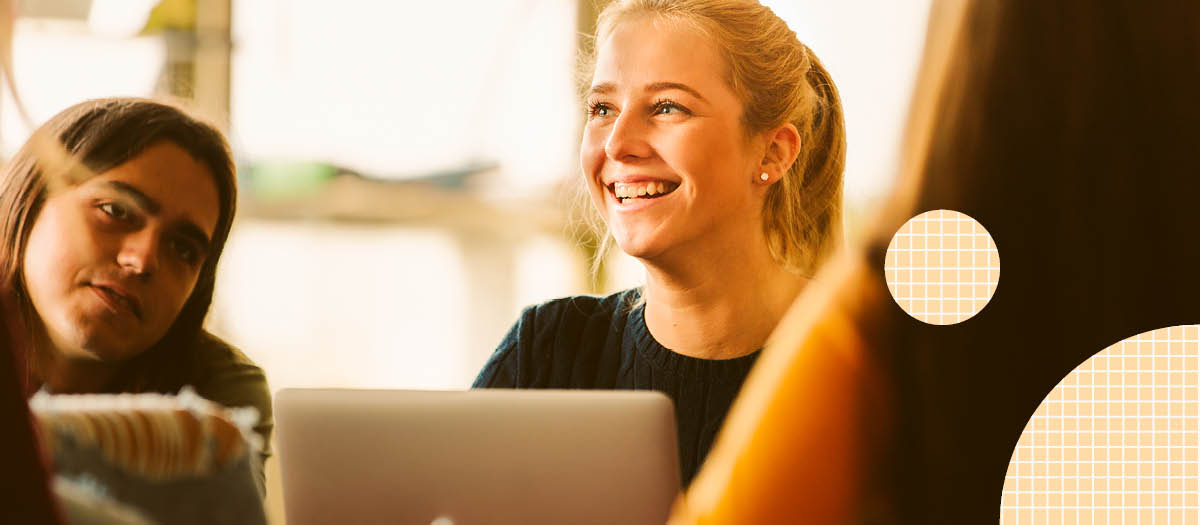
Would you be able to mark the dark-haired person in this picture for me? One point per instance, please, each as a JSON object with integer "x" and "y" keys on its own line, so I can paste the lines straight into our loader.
{"x": 113, "y": 271}
{"x": 1021, "y": 119}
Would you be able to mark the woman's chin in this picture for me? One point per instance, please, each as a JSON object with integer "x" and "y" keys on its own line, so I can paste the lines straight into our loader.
{"x": 640, "y": 248}
{"x": 104, "y": 346}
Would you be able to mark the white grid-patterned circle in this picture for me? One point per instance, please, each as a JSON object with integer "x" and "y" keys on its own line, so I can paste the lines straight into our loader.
{"x": 1115, "y": 441}
{"x": 942, "y": 267}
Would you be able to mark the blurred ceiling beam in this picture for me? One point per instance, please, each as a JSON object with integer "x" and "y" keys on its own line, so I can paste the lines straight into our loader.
{"x": 65, "y": 9}
{"x": 198, "y": 36}
{"x": 213, "y": 25}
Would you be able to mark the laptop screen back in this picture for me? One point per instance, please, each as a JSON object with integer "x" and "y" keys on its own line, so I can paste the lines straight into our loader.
{"x": 478, "y": 456}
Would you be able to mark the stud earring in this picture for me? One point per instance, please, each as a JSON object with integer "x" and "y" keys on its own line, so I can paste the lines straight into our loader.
{"x": 764, "y": 177}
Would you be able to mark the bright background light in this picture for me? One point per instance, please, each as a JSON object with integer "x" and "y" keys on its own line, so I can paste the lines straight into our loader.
{"x": 402, "y": 89}
{"x": 397, "y": 90}
{"x": 871, "y": 49}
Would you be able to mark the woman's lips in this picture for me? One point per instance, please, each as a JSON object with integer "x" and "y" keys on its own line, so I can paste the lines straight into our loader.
{"x": 118, "y": 301}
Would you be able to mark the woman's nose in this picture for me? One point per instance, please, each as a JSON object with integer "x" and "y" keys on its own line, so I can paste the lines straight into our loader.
{"x": 627, "y": 139}
{"x": 139, "y": 253}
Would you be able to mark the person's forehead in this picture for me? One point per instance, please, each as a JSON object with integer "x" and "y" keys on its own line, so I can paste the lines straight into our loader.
{"x": 650, "y": 49}
{"x": 182, "y": 186}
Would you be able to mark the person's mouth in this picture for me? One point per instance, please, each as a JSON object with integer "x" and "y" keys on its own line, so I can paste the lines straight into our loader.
{"x": 119, "y": 298}
{"x": 627, "y": 192}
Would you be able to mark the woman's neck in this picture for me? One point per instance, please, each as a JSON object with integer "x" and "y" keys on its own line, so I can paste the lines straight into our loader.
{"x": 722, "y": 305}
{"x": 64, "y": 372}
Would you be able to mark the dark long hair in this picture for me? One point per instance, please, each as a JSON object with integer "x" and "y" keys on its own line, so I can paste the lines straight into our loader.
{"x": 100, "y": 135}
{"x": 1069, "y": 130}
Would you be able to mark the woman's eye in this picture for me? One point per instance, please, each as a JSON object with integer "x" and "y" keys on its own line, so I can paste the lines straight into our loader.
{"x": 115, "y": 211}
{"x": 668, "y": 108}
{"x": 184, "y": 250}
{"x": 598, "y": 110}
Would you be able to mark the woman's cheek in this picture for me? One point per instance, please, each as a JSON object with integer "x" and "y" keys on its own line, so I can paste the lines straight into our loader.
{"x": 591, "y": 153}
{"x": 591, "y": 161}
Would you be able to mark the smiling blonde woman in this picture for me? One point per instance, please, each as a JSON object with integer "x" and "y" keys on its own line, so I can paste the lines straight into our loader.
{"x": 713, "y": 151}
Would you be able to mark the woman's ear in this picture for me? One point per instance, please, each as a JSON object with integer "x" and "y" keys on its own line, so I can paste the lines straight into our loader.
{"x": 783, "y": 146}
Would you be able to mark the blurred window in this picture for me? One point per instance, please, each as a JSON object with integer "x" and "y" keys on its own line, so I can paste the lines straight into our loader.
{"x": 399, "y": 89}
{"x": 66, "y": 51}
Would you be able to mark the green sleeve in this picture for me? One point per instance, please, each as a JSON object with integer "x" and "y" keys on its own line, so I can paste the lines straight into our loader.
{"x": 231, "y": 379}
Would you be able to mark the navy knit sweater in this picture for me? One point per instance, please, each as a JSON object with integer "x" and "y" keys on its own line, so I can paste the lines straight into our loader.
{"x": 589, "y": 342}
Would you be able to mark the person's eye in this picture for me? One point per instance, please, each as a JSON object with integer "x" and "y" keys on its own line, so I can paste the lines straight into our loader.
{"x": 598, "y": 109}
{"x": 115, "y": 211}
{"x": 185, "y": 250}
{"x": 667, "y": 107}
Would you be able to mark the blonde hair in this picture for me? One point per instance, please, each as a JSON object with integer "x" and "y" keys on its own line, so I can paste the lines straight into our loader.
{"x": 779, "y": 81}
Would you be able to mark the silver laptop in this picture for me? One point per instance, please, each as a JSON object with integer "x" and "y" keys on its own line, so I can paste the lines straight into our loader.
{"x": 479, "y": 456}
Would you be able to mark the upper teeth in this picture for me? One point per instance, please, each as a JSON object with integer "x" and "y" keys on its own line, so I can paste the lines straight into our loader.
{"x": 629, "y": 190}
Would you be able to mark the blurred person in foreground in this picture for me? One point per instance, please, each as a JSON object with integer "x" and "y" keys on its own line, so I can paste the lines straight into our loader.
{"x": 1070, "y": 133}
{"x": 110, "y": 256}
{"x": 713, "y": 151}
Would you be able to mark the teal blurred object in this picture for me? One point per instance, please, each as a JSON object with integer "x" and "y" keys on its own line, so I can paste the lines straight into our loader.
{"x": 286, "y": 179}
{"x": 310, "y": 190}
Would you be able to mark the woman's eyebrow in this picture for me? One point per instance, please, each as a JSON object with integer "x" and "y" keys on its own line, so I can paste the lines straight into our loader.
{"x": 664, "y": 86}
{"x": 143, "y": 201}
{"x": 654, "y": 87}
{"x": 602, "y": 89}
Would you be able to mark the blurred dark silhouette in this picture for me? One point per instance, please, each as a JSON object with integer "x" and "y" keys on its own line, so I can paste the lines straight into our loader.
{"x": 25, "y": 495}
{"x": 1068, "y": 130}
